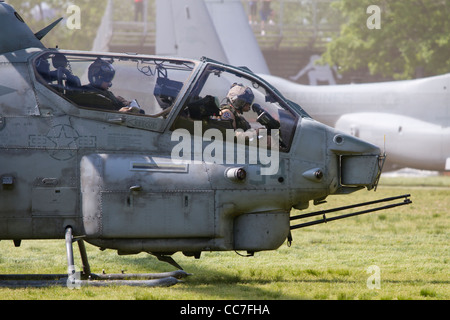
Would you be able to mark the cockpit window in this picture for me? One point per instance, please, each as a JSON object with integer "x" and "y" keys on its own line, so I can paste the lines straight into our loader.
{"x": 146, "y": 87}
{"x": 226, "y": 100}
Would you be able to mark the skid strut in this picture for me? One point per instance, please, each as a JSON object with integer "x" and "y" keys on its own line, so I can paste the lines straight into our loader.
{"x": 405, "y": 198}
{"x": 74, "y": 279}
{"x": 91, "y": 279}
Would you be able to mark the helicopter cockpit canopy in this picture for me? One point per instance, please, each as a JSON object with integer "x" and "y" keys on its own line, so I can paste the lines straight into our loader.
{"x": 126, "y": 83}
{"x": 154, "y": 87}
{"x": 209, "y": 97}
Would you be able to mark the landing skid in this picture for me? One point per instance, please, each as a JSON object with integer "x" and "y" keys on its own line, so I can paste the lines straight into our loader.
{"x": 75, "y": 279}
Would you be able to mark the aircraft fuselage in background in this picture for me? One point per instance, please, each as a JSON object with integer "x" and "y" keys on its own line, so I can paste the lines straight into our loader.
{"x": 410, "y": 120}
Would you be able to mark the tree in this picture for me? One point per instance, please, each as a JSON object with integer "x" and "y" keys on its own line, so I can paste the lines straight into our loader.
{"x": 413, "y": 38}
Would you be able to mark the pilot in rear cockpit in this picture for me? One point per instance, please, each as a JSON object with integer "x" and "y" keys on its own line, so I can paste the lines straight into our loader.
{"x": 100, "y": 75}
{"x": 96, "y": 94}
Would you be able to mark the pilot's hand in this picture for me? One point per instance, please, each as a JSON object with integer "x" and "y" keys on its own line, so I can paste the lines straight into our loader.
{"x": 130, "y": 109}
{"x": 131, "y": 106}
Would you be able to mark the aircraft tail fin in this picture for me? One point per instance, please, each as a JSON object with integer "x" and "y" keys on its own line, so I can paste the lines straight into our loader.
{"x": 215, "y": 29}
{"x": 184, "y": 28}
{"x": 236, "y": 35}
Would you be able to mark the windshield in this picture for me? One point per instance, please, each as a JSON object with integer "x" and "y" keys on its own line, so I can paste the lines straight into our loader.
{"x": 225, "y": 99}
{"x": 142, "y": 86}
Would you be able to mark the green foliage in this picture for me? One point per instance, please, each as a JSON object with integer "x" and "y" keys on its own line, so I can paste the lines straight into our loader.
{"x": 91, "y": 13}
{"x": 414, "y": 38}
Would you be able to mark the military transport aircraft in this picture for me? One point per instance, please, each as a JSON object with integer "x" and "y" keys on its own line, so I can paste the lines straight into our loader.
{"x": 409, "y": 119}
{"x": 136, "y": 153}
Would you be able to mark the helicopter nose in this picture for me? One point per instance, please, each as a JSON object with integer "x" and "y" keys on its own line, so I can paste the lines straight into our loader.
{"x": 359, "y": 162}
{"x": 337, "y": 162}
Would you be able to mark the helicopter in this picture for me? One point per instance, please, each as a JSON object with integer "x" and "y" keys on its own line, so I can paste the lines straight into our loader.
{"x": 135, "y": 153}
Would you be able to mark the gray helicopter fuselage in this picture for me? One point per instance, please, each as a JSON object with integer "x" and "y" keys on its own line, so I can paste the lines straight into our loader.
{"x": 111, "y": 176}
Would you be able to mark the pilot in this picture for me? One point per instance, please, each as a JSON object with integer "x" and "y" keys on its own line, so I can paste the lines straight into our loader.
{"x": 239, "y": 100}
{"x": 101, "y": 74}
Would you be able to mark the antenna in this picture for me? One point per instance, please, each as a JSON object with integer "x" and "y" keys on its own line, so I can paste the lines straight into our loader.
{"x": 41, "y": 34}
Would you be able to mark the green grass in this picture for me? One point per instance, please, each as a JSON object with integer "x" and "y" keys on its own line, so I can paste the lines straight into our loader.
{"x": 409, "y": 245}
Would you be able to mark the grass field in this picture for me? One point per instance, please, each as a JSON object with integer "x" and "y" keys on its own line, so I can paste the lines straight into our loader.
{"x": 408, "y": 245}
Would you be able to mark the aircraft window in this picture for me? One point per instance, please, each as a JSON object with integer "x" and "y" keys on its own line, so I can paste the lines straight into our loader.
{"x": 226, "y": 100}
{"x": 145, "y": 87}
